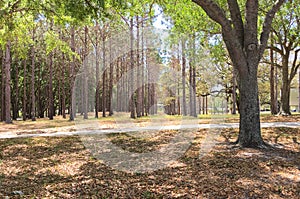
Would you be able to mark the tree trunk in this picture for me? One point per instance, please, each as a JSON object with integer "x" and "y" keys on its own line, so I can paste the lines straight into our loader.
{"x": 33, "y": 83}
{"x": 143, "y": 71}
{"x": 103, "y": 77}
{"x": 97, "y": 95}
{"x": 285, "y": 91}
{"x": 72, "y": 78}
{"x": 184, "y": 112}
{"x": 16, "y": 88}
{"x": 85, "y": 74}
{"x": 24, "y": 103}
{"x": 2, "y": 85}
{"x": 111, "y": 71}
{"x": 63, "y": 103}
{"x": 274, "y": 106}
{"x": 50, "y": 90}
{"x": 138, "y": 74}
{"x": 7, "y": 83}
{"x": 233, "y": 112}
{"x": 131, "y": 92}
{"x": 299, "y": 90}
{"x": 250, "y": 135}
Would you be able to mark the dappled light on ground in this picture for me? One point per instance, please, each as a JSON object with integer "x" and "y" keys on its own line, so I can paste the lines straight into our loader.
{"x": 62, "y": 167}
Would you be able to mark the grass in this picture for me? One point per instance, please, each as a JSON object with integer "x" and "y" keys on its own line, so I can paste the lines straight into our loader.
{"x": 62, "y": 167}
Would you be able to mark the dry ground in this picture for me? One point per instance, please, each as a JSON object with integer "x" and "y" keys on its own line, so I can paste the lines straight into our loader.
{"x": 61, "y": 167}
{"x": 59, "y": 124}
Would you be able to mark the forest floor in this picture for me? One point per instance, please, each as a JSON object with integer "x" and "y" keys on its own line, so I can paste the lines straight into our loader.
{"x": 65, "y": 167}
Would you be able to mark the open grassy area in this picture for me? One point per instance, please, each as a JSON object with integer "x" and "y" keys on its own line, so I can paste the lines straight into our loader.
{"x": 62, "y": 167}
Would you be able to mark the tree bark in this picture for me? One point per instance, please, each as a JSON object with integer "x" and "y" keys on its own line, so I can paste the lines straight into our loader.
{"x": 24, "y": 103}
{"x": 184, "y": 111}
{"x": 85, "y": 75}
{"x": 7, "y": 83}
{"x": 111, "y": 79}
{"x": 138, "y": 74}
{"x": 97, "y": 95}
{"x": 285, "y": 91}
{"x": 274, "y": 106}
{"x": 72, "y": 77}
{"x": 241, "y": 39}
{"x": 132, "y": 82}
{"x": 33, "y": 82}
{"x": 103, "y": 76}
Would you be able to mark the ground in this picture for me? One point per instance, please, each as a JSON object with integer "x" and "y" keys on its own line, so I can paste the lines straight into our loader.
{"x": 63, "y": 167}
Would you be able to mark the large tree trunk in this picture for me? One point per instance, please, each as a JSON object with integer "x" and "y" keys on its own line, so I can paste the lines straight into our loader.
{"x": 2, "y": 85}
{"x": 250, "y": 135}
{"x": 7, "y": 83}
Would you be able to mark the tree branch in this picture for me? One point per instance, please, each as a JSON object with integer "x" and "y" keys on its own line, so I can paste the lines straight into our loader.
{"x": 214, "y": 11}
{"x": 237, "y": 21}
{"x": 267, "y": 26}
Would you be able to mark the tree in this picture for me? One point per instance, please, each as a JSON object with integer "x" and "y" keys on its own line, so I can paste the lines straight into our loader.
{"x": 245, "y": 48}
{"x": 286, "y": 29}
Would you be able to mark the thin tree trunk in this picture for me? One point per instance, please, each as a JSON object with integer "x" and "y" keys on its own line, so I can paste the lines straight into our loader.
{"x": 132, "y": 82}
{"x": 103, "y": 77}
{"x": 16, "y": 100}
{"x": 50, "y": 91}
{"x": 97, "y": 95}
{"x": 285, "y": 92}
{"x": 85, "y": 76}
{"x": 24, "y": 104}
{"x": 274, "y": 107}
{"x": 7, "y": 83}
{"x": 233, "y": 91}
{"x": 143, "y": 71}
{"x": 111, "y": 71}
{"x": 72, "y": 77}
{"x": 139, "y": 91}
{"x": 33, "y": 82}
{"x": 63, "y": 103}
{"x": 184, "y": 112}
